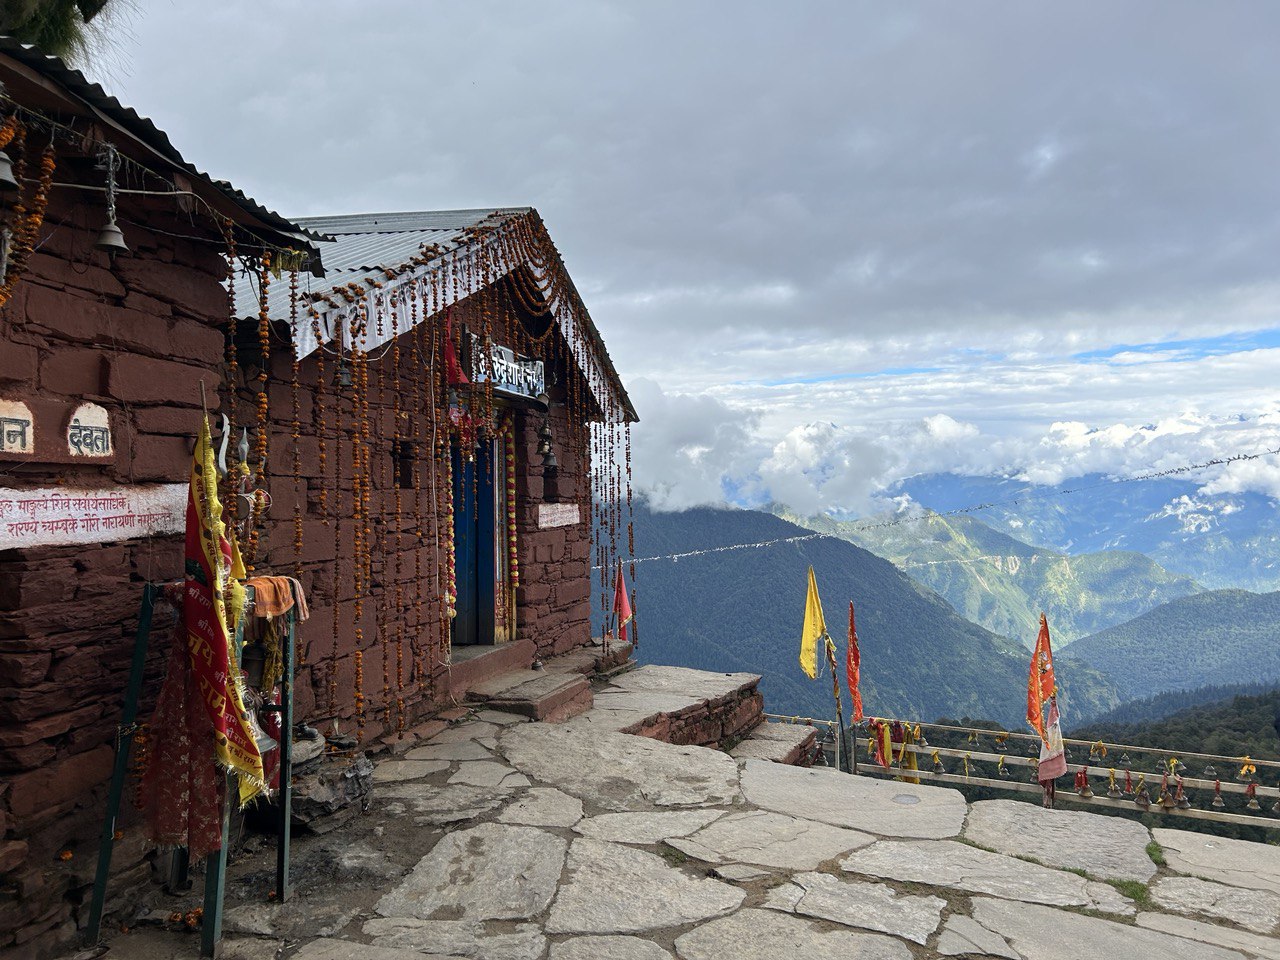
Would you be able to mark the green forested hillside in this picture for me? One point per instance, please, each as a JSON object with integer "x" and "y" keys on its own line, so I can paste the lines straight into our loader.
{"x": 1175, "y": 701}
{"x": 1222, "y": 636}
{"x": 742, "y": 610}
{"x": 1240, "y": 726}
{"x": 1004, "y": 584}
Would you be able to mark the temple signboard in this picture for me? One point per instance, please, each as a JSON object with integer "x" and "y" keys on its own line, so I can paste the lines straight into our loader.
{"x": 57, "y": 516}
{"x": 511, "y": 373}
{"x": 89, "y": 432}
{"x": 17, "y": 428}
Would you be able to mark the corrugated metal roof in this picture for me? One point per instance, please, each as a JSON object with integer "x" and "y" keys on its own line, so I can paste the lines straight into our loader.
{"x": 108, "y": 108}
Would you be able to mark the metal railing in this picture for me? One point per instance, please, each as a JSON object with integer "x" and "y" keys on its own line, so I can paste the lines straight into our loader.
{"x": 1229, "y": 791}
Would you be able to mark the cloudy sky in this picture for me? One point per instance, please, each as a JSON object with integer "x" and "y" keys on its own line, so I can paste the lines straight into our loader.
{"x": 829, "y": 244}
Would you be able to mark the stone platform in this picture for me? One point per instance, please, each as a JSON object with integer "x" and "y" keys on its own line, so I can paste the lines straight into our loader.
{"x": 516, "y": 840}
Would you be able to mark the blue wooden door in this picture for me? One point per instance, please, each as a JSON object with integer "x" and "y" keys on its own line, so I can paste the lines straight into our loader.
{"x": 474, "y": 531}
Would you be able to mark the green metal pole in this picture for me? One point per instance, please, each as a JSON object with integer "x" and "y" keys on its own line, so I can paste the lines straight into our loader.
{"x": 124, "y": 743}
{"x": 283, "y": 887}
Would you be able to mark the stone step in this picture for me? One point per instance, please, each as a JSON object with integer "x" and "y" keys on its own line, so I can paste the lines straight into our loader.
{"x": 550, "y": 697}
{"x": 780, "y": 742}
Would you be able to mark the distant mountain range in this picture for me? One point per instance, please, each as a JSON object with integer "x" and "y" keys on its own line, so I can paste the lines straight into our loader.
{"x": 1217, "y": 637}
{"x": 1003, "y": 583}
{"x": 742, "y": 609}
{"x": 1161, "y": 705}
{"x": 1221, "y": 541}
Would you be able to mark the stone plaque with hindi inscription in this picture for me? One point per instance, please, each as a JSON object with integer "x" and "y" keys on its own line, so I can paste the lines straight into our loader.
{"x": 17, "y": 428}
{"x": 54, "y": 516}
{"x": 558, "y": 515}
{"x": 89, "y": 432}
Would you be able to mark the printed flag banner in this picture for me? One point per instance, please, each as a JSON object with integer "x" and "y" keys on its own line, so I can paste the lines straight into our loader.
{"x": 1041, "y": 683}
{"x": 853, "y": 667}
{"x": 209, "y": 559}
{"x": 621, "y": 603}
{"x": 814, "y": 628}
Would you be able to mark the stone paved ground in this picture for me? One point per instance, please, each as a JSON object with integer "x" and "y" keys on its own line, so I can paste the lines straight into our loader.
{"x": 505, "y": 840}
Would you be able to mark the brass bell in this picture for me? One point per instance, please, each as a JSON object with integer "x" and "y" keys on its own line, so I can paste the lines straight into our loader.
{"x": 111, "y": 239}
{"x": 9, "y": 185}
{"x": 1124, "y": 760}
{"x": 1253, "y": 804}
{"x": 1167, "y": 801}
{"x": 1275, "y": 807}
{"x": 1113, "y": 792}
{"x": 1210, "y": 772}
{"x": 1004, "y": 772}
{"x": 1142, "y": 801}
{"x": 1218, "y": 803}
{"x": 1182, "y": 803}
{"x": 938, "y": 767}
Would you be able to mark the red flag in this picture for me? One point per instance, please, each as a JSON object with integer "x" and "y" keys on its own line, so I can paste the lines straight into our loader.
{"x": 621, "y": 603}
{"x": 1041, "y": 683}
{"x": 853, "y": 667}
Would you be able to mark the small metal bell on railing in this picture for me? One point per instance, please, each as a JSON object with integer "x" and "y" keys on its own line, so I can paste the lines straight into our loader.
{"x": 1125, "y": 761}
{"x": 1141, "y": 800}
{"x": 1251, "y": 791}
{"x": 1083, "y": 789}
{"x": 1113, "y": 791}
{"x": 937, "y": 764}
{"x": 1180, "y": 798}
{"x": 1211, "y": 772}
{"x": 1001, "y": 769}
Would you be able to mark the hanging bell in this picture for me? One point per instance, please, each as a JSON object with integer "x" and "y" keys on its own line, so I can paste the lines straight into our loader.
{"x": 1141, "y": 800}
{"x": 9, "y": 186}
{"x": 1124, "y": 760}
{"x": 1083, "y": 789}
{"x": 1181, "y": 801}
{"x": 1003, "y": 771}
{"x": 111, "y": 239}
{"x": 1253, "y": 804}
{"x": 937, "y": 765}
{"x": 1167, "y": 801}
{"x": 820, "y": 760}
{"x": 1211, "y": 772}
{"x": 1218, "y": 803}
{"x": 1275, "y": 807}
{"x": 1113, "y": 792}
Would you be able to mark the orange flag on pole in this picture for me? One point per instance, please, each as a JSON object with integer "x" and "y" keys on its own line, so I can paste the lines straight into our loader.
{"x": 853, "y": 667}
{"x": 1041, "y": 683}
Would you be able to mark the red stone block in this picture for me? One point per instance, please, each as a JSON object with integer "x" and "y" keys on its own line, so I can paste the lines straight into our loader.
{"x": 174, "y": 421}
{"x": 138, "y": 379}
{"x": 59, "y": 782}
{"x": 72, "y": 372}
{"x": 23, "y": 669}
{"x": 56, "y": 272}
{"x": 18, "y": 363}
{"x": 162, "y": 457}
{"x": 196, "y": 341}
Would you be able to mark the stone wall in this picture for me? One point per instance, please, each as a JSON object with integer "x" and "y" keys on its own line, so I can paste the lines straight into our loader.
{"x": 715, "y": 722}
{"x": 137, "y": 336}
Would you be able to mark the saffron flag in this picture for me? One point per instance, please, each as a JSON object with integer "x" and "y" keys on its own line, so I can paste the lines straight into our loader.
{"x": 853, "y": 667}
{"x": 814, "y": 628}
{"x": 1041, "y": 683}
{"x": 621, "y": 603}
{"x": 209, "y": 559}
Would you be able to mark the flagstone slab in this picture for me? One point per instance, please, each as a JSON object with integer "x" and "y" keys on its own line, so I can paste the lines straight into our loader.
{"x": 461, "y": 750}
{"x": 769, "y": 935}
{"x": 646, "y": 828}
{"x": 1110, "y": 848}
{"x": 699, "y": 684}
{"x": 870, "y": 906}
{"x": 488, "y": 773}
{"x": 1238, "y": 863}
{"x": 608, "y": 948}
{"x": 1043, "y": 933}
{"x": 773, "y": 741}
{"x": 739, "y": 872}
{"x": 325, "y": 949}
{"x": 963, "y": 937}
{"x": 883, "y": 807}
{"x": 949, "y": 863}
{"x": 488, "y": 872}
{"x": 770, "y": 840}
{"x": 1256, "y": 910}
{"x": 396, "y": 771}
{"x": 467, "y": 730}
{"x": 617, "y": 771}
{"x": 617, "y": 889}
{"x": 245, "y": 948}
{"x": 500, "y": 717}
{"x": 457, "y": 938}
{"x": 291, "y": 920}
{"x": 1250, "y": 943}
{"x": 544, "y": 807}
{"x": 441, "y": 805}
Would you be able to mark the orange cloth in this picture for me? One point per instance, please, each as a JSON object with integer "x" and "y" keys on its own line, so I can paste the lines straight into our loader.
{"x": 275, "y": 596}
{"x": 1041, "y": 683}
{"x": 853, "y": 668}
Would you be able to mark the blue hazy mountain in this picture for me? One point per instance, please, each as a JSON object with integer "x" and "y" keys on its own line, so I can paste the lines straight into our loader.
{"x": 1220, "y": 541}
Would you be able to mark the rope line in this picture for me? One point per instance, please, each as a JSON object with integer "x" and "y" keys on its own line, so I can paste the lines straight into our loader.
{"x": 958, "y": 511}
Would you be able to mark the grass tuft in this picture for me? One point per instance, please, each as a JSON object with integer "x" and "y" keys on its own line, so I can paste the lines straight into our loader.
{"x": 1156, "y": 853}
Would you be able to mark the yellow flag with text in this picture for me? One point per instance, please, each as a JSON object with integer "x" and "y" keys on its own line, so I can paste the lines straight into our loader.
{"x": 815, "y": 627}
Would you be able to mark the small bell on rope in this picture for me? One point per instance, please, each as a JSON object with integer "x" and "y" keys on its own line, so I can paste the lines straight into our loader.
{"x": 1210, "y": 772}
{"x": 1125, "y": 761}
{"x": 1251, "y": 791}
{"x": 1001, "y": 769}
{"x": 1113, "y": 791}
{"x": 937, "y": 763}
{"x": 1000, "y": 742}
{"x": 1082, "y": 784}
{"x": 1141, "y": 799}
{"x": 1218, "y": 803}
{"x": 1128, "y": 783}
{"x": 1275, "y": 807}
{"x": 1180, "y": 798}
